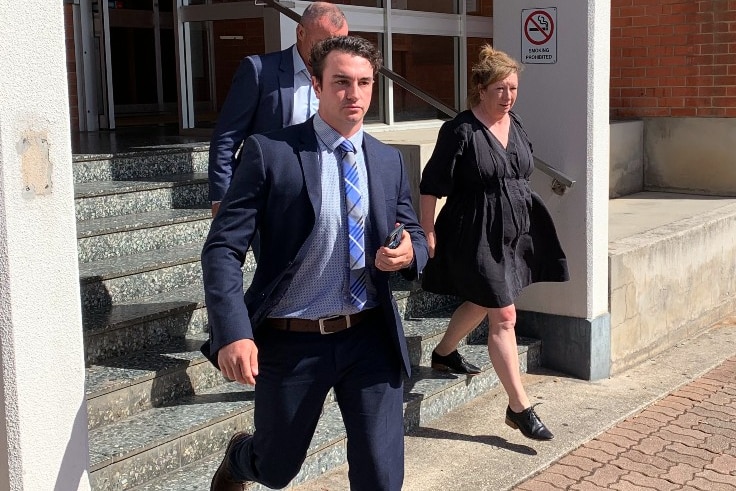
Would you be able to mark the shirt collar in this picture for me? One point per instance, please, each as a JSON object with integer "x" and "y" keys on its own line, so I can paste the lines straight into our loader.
{"x": 332, "y": 138}
{"x": 299, "y": 65}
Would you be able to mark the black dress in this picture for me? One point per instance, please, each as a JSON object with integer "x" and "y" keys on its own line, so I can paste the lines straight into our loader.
{"x": 494, "y": 234}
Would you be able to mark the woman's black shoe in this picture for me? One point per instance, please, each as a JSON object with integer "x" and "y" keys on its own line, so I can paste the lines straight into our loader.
{"x": 528, "y": 423}
{"x": 454, "y": 362}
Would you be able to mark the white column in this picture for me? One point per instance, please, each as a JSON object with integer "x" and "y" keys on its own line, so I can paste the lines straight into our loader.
{"x": 565, "y": 106}
{"x": 43, "y": 433}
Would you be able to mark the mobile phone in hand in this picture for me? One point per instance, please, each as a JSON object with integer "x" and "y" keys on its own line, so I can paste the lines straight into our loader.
{"x": 394, "y": 238}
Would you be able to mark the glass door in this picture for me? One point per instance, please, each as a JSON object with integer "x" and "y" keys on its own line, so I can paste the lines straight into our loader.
{"x": 139, "y": 61}
{"x": 213, "y": 36}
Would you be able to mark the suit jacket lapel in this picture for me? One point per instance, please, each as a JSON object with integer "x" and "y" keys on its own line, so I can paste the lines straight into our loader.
{"x": 375, "y": 222}
{"x": 311, "y": 166}
{"x": 286, "y": 85}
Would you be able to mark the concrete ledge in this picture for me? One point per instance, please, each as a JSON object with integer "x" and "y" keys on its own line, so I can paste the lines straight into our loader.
{"x": 579, "y": 347}
{"x": 416, "y": 145}
{"x": 670, "y": 281}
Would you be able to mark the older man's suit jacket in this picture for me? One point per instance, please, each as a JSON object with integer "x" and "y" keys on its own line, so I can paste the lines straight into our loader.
{"x": 277, "y": 191}
{"x": 260, "y": 99}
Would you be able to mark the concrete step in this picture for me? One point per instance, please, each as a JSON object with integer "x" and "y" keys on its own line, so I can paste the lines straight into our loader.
{"x": 181, "y": 159}
{"x": 128, "y": 328}
{"x": 107, "y": 237}
{"x": 102, "y": 199}
{"x": 131, "y": 325}
{"x": 158, "y": 444}
{"x": 119, "y": 280}
{"x": 154, "y": 376}
{"x": 150, "y": 298}
{"x": 413, "y": 302}
{"x": 162, "y": 365}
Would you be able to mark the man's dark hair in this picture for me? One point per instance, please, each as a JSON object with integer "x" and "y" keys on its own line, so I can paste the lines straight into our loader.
{"x": 351, "y": 45}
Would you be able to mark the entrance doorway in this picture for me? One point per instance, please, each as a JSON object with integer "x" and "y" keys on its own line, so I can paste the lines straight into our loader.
{"x": 137, "y": 62}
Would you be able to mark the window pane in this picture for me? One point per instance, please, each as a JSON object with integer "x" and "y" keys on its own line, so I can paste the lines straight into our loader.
{"x": 374, "y": 113}
{"x": 210, "y": 2}
{"x": 216, "y": 50}
{"x": 439, "y": 6}
{"x": 131, "y": 4}
{"x": 359, "y": 3}
{"x": 482, "y": 8}
{"x": 217, "y": 47}
{"x": 429, "y": 63}
{"x": 474, "y": 45}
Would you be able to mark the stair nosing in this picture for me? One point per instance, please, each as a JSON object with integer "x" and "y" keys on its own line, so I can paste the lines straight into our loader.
{"x": 145, "y": 220}
{"x": 138, "y": 185}
{"x": 120, "y": 266}
{"x": 185, "y": 148}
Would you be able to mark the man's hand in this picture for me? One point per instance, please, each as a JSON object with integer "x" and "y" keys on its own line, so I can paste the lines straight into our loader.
{"x": 215, "y": 208}
{"x": 396, "y": 259}
{"x": 239, "y": 361}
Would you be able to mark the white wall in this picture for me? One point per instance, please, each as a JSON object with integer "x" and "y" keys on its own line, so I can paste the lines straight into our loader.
{"x": 43, "y": 398}
{"x": 565, "y": 110}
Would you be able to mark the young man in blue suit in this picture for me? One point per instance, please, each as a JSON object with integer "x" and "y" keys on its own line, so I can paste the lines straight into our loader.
{"x": 319, "y": 313}
{"x": 269, "y": 92}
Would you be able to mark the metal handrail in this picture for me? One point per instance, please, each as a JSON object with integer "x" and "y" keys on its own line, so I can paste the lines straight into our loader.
{"x": 389, "y": 74}
{"x": 560, "y": 182}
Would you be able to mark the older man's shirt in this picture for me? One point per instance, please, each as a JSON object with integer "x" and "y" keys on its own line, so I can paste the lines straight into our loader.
{"x": 305, "y": 100}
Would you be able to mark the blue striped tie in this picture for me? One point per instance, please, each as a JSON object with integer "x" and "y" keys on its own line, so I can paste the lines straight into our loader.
{"x": 356, "y": 240}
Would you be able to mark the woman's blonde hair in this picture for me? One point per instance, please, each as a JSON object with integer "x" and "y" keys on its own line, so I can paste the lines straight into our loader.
{"x": 493, "y": 65}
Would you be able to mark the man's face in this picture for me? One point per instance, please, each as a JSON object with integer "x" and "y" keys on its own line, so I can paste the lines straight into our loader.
{"x": 307, "y": 37}
{"x": 345, "y": 91}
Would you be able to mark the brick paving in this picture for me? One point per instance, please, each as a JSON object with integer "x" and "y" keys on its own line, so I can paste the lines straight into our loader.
{"x": 685, "y": 441}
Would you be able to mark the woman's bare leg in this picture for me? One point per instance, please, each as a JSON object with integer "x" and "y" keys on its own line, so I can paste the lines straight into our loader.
{"x": 464, "y": 319}
{"x": 505, "y": 355}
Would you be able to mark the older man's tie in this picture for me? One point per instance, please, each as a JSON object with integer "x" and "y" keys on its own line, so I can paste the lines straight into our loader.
{"x": 355, "y": 222}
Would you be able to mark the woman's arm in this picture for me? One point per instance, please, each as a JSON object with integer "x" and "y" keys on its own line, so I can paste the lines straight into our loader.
{"x": 427, "y": 205}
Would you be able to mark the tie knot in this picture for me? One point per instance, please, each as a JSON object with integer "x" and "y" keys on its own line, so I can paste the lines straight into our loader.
{"x": 347, "y": 146}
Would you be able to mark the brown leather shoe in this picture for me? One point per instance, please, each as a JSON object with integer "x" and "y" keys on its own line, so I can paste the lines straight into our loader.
{"x": 223, "y": 479}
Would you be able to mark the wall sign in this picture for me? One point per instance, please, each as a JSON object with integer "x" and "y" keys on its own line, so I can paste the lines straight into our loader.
{"x": 539, "y": 35}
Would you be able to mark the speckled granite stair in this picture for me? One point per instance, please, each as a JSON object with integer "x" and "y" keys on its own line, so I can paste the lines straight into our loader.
{"x": 159, "y": 413}
{"x": 180, "y": 159}
{"x": 428, "y": 395}
{"x": 102, "y": 238}
{"x": 163, "y": 364}
{"x": 114, "y": 198}
{"x": 121, "y": 390}
{"x": 413, "y": 302}
{"x": 118, "y": 280}
{"x": 127, "y": 327}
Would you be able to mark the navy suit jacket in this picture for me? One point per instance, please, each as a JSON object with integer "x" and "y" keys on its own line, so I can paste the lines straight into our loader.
{"x": 277, "y": 192}
{"x": 260, "y": 99}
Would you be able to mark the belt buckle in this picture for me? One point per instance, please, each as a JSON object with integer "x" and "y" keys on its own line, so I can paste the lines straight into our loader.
{"x": 322, "y": 323}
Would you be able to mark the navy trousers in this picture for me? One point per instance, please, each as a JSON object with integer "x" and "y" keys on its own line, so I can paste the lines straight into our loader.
{"x": 296, "y": 372}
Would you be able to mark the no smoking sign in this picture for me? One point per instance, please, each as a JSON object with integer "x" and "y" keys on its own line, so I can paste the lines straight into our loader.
{"x": 539, "y": 35}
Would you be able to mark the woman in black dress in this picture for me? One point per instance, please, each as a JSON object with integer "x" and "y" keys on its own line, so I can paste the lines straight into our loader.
{"x": 494, "y": 236}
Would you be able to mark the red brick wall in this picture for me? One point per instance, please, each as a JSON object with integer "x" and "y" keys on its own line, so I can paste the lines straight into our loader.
{"x": 673, "y": 58}
{"x": 71, "y": 67}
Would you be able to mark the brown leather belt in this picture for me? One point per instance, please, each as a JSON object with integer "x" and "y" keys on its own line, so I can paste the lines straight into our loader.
{"x": 327, "y": 325}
